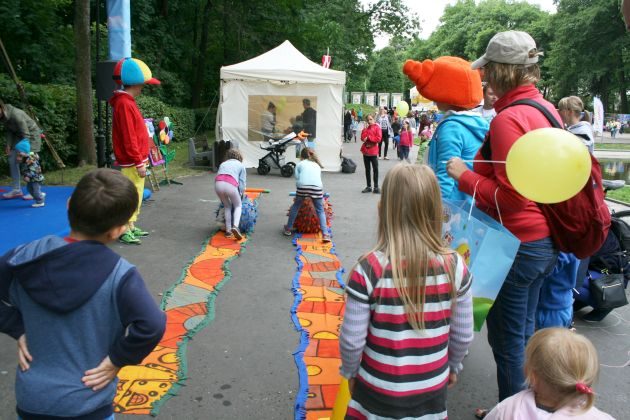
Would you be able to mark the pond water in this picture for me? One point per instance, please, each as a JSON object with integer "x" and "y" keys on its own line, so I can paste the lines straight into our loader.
{"x": 615, "y": 169}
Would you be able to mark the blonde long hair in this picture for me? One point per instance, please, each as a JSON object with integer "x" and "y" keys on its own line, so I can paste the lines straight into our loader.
{"x": 562, "y": 359}
{"x": 410, "y": 234}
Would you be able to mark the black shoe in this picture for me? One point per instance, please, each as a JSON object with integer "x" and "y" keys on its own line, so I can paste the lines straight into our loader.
{"x": 596, "y": 315}
{"x": 367, "y": 190}
{"x": 376, "y": 190}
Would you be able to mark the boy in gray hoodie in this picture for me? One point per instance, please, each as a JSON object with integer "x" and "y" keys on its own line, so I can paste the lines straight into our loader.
{"x": 78, "y": 310}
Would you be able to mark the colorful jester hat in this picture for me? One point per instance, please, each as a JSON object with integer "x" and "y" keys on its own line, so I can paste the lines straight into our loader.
{"x": 447, "y": 79}
{"x": 131, "y": 71}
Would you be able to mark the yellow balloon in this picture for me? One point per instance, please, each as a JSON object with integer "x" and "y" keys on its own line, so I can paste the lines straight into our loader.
{"x": 402, "y": 108}
{"x": 548, "y": 165}
{"x": 342, "y": 401}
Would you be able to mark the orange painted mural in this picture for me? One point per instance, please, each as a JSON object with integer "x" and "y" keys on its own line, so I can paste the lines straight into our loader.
{"x": 317, "y": 313}
{"x": 189, "y": 307}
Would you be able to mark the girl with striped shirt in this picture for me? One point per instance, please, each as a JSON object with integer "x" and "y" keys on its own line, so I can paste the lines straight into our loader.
{"x": 408, "y": 320}
{"x": 308, "y": 174}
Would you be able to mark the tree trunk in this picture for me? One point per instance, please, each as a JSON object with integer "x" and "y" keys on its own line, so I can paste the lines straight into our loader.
{"x": 623, "y": 95}
{"x": 83, "y": 70}
{"x": 200, "y": 70}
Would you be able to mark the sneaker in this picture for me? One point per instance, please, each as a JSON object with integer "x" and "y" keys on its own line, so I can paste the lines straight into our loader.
{"x": 286, "y": 231}
{"x": 367, "y": 190}
{"x": 12, "y": 194}
{"x": 42, "y": 204}
{"x": 326, "y": 238}
{"x": 30, "y": 197}
{"x": 139, "y": 233}
{"x": 237, "y": 233}
{"x": 229, "y": 235}
{"x": 376, "y": 191}
{"x": 385, "y": 158}
{"x": 129, "y": 239}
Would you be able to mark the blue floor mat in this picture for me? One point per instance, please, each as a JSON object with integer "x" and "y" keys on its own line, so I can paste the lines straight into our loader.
{"x": 20, "y": 223}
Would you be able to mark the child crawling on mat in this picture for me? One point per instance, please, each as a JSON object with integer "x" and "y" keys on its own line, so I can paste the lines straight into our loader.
{"x": 78, "y": 310}
{"x": 230, "y": 187}
{"x": 309, "y": 185}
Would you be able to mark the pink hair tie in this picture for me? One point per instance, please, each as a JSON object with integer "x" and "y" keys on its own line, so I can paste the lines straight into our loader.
{"x": 582, "y": 388}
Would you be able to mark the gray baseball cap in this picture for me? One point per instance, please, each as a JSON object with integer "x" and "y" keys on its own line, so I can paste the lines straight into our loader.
{"x": 509, "y": 47}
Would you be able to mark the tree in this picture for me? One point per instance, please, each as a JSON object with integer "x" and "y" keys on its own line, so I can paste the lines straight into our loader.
{"x": 387, "y": 76}
{"x": 590, "y": 54}
{"x": 465, "y": 28}
{"x": 83, "y": 66}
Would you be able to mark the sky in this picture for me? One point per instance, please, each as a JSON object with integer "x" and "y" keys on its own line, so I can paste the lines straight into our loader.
{"x": 430, "y": 12}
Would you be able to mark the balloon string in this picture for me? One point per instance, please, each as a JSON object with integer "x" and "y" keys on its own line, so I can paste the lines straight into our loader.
{"x": 474, "y": 161}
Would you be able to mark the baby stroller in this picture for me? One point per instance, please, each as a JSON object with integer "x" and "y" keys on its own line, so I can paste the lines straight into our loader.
{"x": 274, "y": 159}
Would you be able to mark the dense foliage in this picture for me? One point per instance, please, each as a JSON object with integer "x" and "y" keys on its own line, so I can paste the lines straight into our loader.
{"x": 587, "y": 50}
{"x": 54, "y": 105}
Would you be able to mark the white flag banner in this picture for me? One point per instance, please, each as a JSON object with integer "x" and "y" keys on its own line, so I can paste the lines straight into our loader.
{"x": 326, "y": 61}
{"x": 598, "y": 116}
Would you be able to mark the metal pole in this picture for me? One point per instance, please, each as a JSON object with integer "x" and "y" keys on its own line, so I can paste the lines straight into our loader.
{"x": 100, "y": 134}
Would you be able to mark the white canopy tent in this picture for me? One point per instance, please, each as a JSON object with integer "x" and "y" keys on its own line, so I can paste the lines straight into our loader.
{"x": 282, "y": 76}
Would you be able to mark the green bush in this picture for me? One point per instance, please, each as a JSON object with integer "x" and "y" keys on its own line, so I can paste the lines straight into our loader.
{"x": 183, "y": 119}
{"x": 55, "y": 107}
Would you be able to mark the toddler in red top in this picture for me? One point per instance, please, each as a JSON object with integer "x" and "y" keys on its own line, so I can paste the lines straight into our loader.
{"x": 406, "y": 141}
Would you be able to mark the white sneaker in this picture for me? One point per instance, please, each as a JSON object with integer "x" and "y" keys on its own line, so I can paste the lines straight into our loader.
{"x": 12, "y": 194}
{"x": 42, "y": 204}
{"x": 30, "y": 197}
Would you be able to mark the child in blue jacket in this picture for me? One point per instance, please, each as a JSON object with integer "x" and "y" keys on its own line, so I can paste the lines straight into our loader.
{"x": 456, "y": 89}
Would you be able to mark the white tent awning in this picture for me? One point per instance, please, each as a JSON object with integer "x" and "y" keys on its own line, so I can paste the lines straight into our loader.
{"x": 284, "y": 64}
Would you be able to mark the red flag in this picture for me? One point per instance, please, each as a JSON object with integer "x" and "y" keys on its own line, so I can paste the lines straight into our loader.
{"x": 326, "y": 60}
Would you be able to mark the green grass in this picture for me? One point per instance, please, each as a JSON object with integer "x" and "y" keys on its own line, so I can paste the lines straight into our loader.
{"x": 70, "y": 176}
{"x": 612, "y": 146}
{"x": 622, "y": 194}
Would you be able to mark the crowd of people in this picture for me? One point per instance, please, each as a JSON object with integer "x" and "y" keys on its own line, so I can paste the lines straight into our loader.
{"x": 400, "y": 351}
{"x": 408, "y": 321}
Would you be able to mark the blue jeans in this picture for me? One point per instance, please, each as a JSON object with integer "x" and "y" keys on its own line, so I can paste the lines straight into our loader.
{"x": 319, "y": 209}
{"x": 511, "y": 319}
{"x": 35, "y": 189}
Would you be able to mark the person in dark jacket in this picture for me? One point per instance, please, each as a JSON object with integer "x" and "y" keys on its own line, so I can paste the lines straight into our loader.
{"x": 309, "y": 120}
{"x": 78, "y": 310}
{"x": 18, "y": 126}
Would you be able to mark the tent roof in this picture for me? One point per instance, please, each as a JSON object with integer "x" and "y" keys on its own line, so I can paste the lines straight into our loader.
{"x": 283, "y": 63}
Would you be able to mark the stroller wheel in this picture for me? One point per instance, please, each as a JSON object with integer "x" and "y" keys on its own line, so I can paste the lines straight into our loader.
{"x": 263, "y": 168}
{"x": 292, "y": 164}
{"x": 286, "y": 170}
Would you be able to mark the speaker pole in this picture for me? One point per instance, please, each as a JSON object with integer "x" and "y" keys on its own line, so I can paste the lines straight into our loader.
{"x": 100, "y": 135}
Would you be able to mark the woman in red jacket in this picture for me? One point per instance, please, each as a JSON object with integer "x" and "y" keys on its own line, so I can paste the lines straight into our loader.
{"x": 511, "y": 70}
{"x": 371, "y": 137}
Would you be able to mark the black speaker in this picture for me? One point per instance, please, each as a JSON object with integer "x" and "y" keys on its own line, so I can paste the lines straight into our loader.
{"x": 105, "y": 85}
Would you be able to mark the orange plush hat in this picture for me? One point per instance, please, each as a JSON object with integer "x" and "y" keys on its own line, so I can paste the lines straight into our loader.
{"x": 447, "y": 79}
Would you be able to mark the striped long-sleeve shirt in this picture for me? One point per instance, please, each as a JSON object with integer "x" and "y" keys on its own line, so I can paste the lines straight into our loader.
{"x": 403, "y": 373}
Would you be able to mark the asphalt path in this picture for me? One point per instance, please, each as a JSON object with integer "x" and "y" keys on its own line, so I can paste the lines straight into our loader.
{"x": 241, "y": 365}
